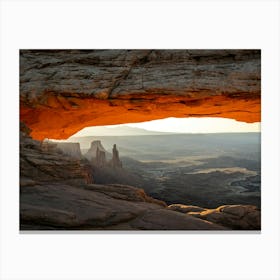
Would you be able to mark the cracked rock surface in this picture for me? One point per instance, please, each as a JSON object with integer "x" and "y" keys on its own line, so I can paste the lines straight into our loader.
{"x": 117, "y": 73}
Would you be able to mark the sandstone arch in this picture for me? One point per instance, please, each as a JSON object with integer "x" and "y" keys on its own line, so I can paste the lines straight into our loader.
{"x": 62, "y": 91}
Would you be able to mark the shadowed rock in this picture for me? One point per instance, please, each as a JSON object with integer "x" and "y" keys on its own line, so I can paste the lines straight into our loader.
{"x": 38, "y": 164}
{"x": 100, "y": 207}
{"x": 50, "y": 204}
{"x": 164, "y": 219}
{"x": 124, "y": 192}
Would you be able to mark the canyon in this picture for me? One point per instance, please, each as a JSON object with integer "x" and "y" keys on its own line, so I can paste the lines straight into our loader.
{"x": 58, "y": 192}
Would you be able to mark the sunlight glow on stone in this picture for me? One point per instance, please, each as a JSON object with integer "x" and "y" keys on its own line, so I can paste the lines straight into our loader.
{"x": 198, "y": 125}
{"x": 175, "y": 125}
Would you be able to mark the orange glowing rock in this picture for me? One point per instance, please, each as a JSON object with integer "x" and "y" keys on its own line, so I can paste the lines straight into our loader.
{"x": 60, "y": 117}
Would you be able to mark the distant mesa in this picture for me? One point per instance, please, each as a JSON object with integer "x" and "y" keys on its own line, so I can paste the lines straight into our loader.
{"x": 48, "y": 146}
{"x": 70, "y": 149}
{"x": 67, "y": 148}
{"x": 97, "y": 155}
{"x": 119, "y": 130}
{"x": 95, "y": 146}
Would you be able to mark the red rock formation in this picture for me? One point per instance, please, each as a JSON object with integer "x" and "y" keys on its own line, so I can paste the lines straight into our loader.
{"x": 63, "y": 91}
{"x": 95, "y": 151}
{"x": 115, "y": 162}
{"x": 100, "y": 159}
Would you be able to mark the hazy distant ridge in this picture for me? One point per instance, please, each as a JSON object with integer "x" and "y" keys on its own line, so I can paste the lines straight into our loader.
{"x": 122, "y": 130}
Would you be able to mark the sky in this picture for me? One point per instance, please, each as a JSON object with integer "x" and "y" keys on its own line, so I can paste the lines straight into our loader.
{"x": 175, "y": 125}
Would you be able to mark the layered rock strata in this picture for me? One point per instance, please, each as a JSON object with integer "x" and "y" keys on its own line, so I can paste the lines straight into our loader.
{"x": 39, "y": 165}
{"x": 73, "y": 89}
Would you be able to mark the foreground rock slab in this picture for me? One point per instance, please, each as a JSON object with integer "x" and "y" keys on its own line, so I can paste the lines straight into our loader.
{"x": 57, "y": 206}
{"x": 242, "y": 217}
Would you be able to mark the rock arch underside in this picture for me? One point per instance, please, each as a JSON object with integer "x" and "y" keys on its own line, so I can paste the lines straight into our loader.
{"x": 63, "y": 91}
